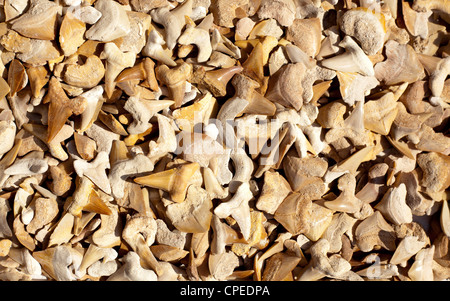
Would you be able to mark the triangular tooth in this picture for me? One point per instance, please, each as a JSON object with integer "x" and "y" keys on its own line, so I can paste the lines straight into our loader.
{"x": 343, "y": 62}
{"x": 430, "y": 63}
{"x": 96, "y": 204}
{"x": 161, "y": 180}
{"x": 217, "y": 80}
{"x": 175, "y": 180}
{"x": 39, "y": 22}
{"x": 175, "y": 80}
{"x": 45, "y": 259}
{"x": 86, "y": 147}
{"x": 320, "y": 89}
{"x": 17, "y": 77}
{"x": 118, "y": 152}
{"x": 4, "y": 88}
{"x": 61, "y": 107}
{"x": 11, "y": 155}
{"x": 92, "y": 254}
{"x": 136, "y": 72}
{"x": 38, "y": 77}
{"x": 402, "y": 147}
{"x": 260, "y": 105}
{"x": 253, "y": 66}
{"x": 22, "y": 235}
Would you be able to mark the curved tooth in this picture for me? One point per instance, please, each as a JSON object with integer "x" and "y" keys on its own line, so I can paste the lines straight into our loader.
{"x": 352, "y": 60}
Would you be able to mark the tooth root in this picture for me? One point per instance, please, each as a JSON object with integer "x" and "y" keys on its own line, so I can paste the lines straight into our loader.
{"x": 17, "y": 77}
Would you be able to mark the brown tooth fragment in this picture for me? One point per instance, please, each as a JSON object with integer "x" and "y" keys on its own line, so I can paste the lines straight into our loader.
{"x": 61, "y": 107}
{"x": 17, "y": 77}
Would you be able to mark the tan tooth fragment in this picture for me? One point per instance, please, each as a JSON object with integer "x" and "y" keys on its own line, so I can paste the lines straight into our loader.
{"x": 39, "y": 22}
{"x": 17, "y": 77}
{"x": 113, "y": 24}
{"x": 175, "y": 180}
{"x": 402, "y": 65}
{"x": 253, "y": 66}
{"x": 135, "y": 40}
{"x": 216, "y": 81}
{"x": 201, "y": 111}
{"x": 86, "y": 147}
{"x": 224, "y": 12}
{"x": 380, "y": 114}
{"x": 61, "y": 108}
{"x": 310, "y": 37}
{"x": 38, "y": 78}
{"x": 112, "y": 123}
{"x": 175, "y": 80}
{"x": 273, "y": 192}
{"x": 71, "y": 34}
{"x": 194, "y": 214}
{"x": 375, "y": 231}
{"x": 139, "y": 233}
{"x": 108, "y": 235}
{"x": 116, "y": 62}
